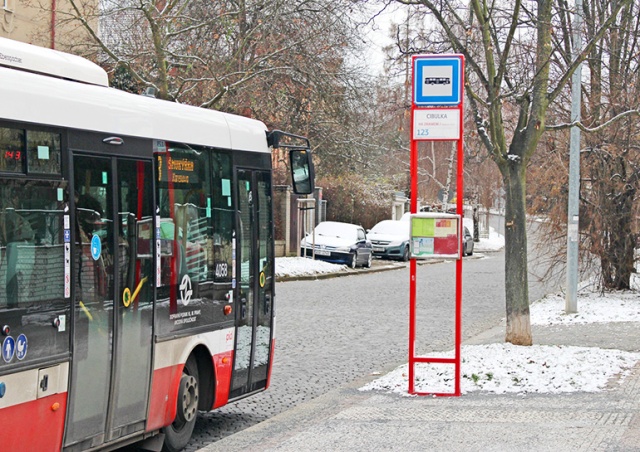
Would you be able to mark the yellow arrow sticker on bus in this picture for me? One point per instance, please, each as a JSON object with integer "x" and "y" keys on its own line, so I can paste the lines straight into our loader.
{"x": 86, "y": 311}
{"x": 137, "y": 291}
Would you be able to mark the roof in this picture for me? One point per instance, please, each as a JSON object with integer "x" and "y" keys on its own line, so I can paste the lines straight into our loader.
{"x": 55, "y": 101}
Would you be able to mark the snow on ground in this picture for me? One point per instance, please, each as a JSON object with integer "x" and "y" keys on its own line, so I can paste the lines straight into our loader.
{"x": 300, "y": 266}
{"x": 494, "y": 242}
{"x": 592, "y": 308}
{"x": 501, "y": 368}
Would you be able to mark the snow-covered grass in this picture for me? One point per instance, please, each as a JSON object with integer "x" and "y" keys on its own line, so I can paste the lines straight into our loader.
{"x": 502, "y": 368}
{"x": 302, "y": 266}
{"x": 592, "y": 308}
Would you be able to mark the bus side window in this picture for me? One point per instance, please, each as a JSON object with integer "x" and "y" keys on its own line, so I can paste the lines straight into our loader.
{"x": 16, "y": 231}
{"x": 32, "y": 264}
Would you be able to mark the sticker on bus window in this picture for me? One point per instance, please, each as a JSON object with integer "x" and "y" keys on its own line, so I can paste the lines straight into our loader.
{"x": 8, "y": 349}
{"x": 96, "y": 247}
{"x": 226, "y": 187}
{"x": 21, "y": 347}
{"x": 43, "y": 152}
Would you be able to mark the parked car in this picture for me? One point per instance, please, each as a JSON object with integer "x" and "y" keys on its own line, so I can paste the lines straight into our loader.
{"x": 467, "y": 242}
{"x": 337, "y": 242}
{"x": 390, "y": 239}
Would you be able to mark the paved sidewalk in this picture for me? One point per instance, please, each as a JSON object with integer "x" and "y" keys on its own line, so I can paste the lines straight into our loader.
{"x": 350, "y": 420}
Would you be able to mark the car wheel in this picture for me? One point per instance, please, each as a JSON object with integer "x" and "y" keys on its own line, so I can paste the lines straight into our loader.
{"x": 177, "y": 435}
{"x": 354, "y": 260}
{"x": 405, "y": 255}
{"x": 368, "y": 264}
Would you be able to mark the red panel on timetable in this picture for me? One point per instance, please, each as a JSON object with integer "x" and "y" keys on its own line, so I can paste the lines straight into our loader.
{"x": 446, "y": 245}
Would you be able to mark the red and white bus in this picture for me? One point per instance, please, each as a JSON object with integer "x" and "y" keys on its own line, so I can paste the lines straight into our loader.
{"x": 136, "y": 257}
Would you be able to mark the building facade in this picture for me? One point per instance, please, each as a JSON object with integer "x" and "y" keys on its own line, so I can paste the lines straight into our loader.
{"x": 45, "y": 23}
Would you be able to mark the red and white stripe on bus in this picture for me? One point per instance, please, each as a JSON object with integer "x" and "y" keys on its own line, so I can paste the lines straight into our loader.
{"x": 170, "y": 357}
{"x": 34, "y": 408}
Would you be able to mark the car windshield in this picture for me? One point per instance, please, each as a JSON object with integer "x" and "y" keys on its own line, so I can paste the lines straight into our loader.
{"x": 392, "y": 227}
{"x": 339, "y": 230}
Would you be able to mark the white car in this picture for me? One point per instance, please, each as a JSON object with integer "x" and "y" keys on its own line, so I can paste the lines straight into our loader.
{"x": 337, "y": 242}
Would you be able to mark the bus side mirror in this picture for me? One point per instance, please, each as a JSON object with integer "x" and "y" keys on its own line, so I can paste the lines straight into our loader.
{"x": 302, "y": 173}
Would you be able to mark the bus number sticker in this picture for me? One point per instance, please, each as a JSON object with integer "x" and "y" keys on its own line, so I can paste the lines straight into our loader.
{"x": 8, "y": 349}
{"x": 21, "y": 347}
{"x": 221, "y": 270}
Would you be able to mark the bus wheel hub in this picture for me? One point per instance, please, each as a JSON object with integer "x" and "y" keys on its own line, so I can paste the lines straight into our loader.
{"x": 188, "y": 396}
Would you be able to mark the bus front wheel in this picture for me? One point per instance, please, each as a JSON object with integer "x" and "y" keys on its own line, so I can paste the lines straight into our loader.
{"x": 177, "y": 435}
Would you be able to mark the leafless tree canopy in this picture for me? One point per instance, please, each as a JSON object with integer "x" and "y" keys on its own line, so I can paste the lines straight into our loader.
{"x": 301, "y": 65}
{"x": 519, "y": 61}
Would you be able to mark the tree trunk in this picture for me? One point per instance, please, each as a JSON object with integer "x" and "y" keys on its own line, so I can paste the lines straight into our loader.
{"x": 516, "y": 278}
{"x": 617, "y": 260}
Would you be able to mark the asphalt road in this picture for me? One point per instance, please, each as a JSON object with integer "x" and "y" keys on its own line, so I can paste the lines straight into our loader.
{"x": 332, "y": 331}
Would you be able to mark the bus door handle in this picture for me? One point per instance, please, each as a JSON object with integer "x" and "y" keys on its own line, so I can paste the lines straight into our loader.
{"x": 243, "y": 308}
{"x": 267, "y": 303}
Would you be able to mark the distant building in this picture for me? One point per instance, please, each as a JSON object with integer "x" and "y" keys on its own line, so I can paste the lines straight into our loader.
{"x": 43, "y": 23}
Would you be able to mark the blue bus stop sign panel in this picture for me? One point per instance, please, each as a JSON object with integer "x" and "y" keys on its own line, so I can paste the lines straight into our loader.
{"x": 436, "y": 80}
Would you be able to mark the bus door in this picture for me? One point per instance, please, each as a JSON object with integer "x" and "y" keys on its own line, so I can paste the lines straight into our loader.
{"x": 113, "y": 299}
{"x": 254, "y": 291}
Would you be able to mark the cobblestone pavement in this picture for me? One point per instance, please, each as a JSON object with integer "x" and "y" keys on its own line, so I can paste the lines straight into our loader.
{"x": 331, "y": 332}
{"x": 350, "y": 420}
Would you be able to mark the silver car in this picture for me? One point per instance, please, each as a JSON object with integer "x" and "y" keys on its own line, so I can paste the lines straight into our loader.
{"x": 390, "y": 239}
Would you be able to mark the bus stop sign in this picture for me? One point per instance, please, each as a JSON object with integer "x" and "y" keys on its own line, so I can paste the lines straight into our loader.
{"x": 437, "y": 80}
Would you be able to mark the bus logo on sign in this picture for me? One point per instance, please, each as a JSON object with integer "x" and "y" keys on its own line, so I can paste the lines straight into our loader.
{"x": 437, "y": 80}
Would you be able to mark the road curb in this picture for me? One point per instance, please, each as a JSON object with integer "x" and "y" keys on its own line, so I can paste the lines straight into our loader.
{"x": 357, "y": 271}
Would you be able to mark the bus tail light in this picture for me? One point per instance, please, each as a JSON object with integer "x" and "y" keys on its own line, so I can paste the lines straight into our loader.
{"x": 227, "y": 309}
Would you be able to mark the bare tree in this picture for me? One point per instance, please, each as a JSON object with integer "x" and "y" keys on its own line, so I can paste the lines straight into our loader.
{"x": 610, "y": 163}
{"x": 199, "y": 52}
{"x": 509, "y": 55}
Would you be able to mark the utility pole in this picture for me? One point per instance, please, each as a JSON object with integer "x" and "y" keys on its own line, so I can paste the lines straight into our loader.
{"x": 571, "y": 302}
